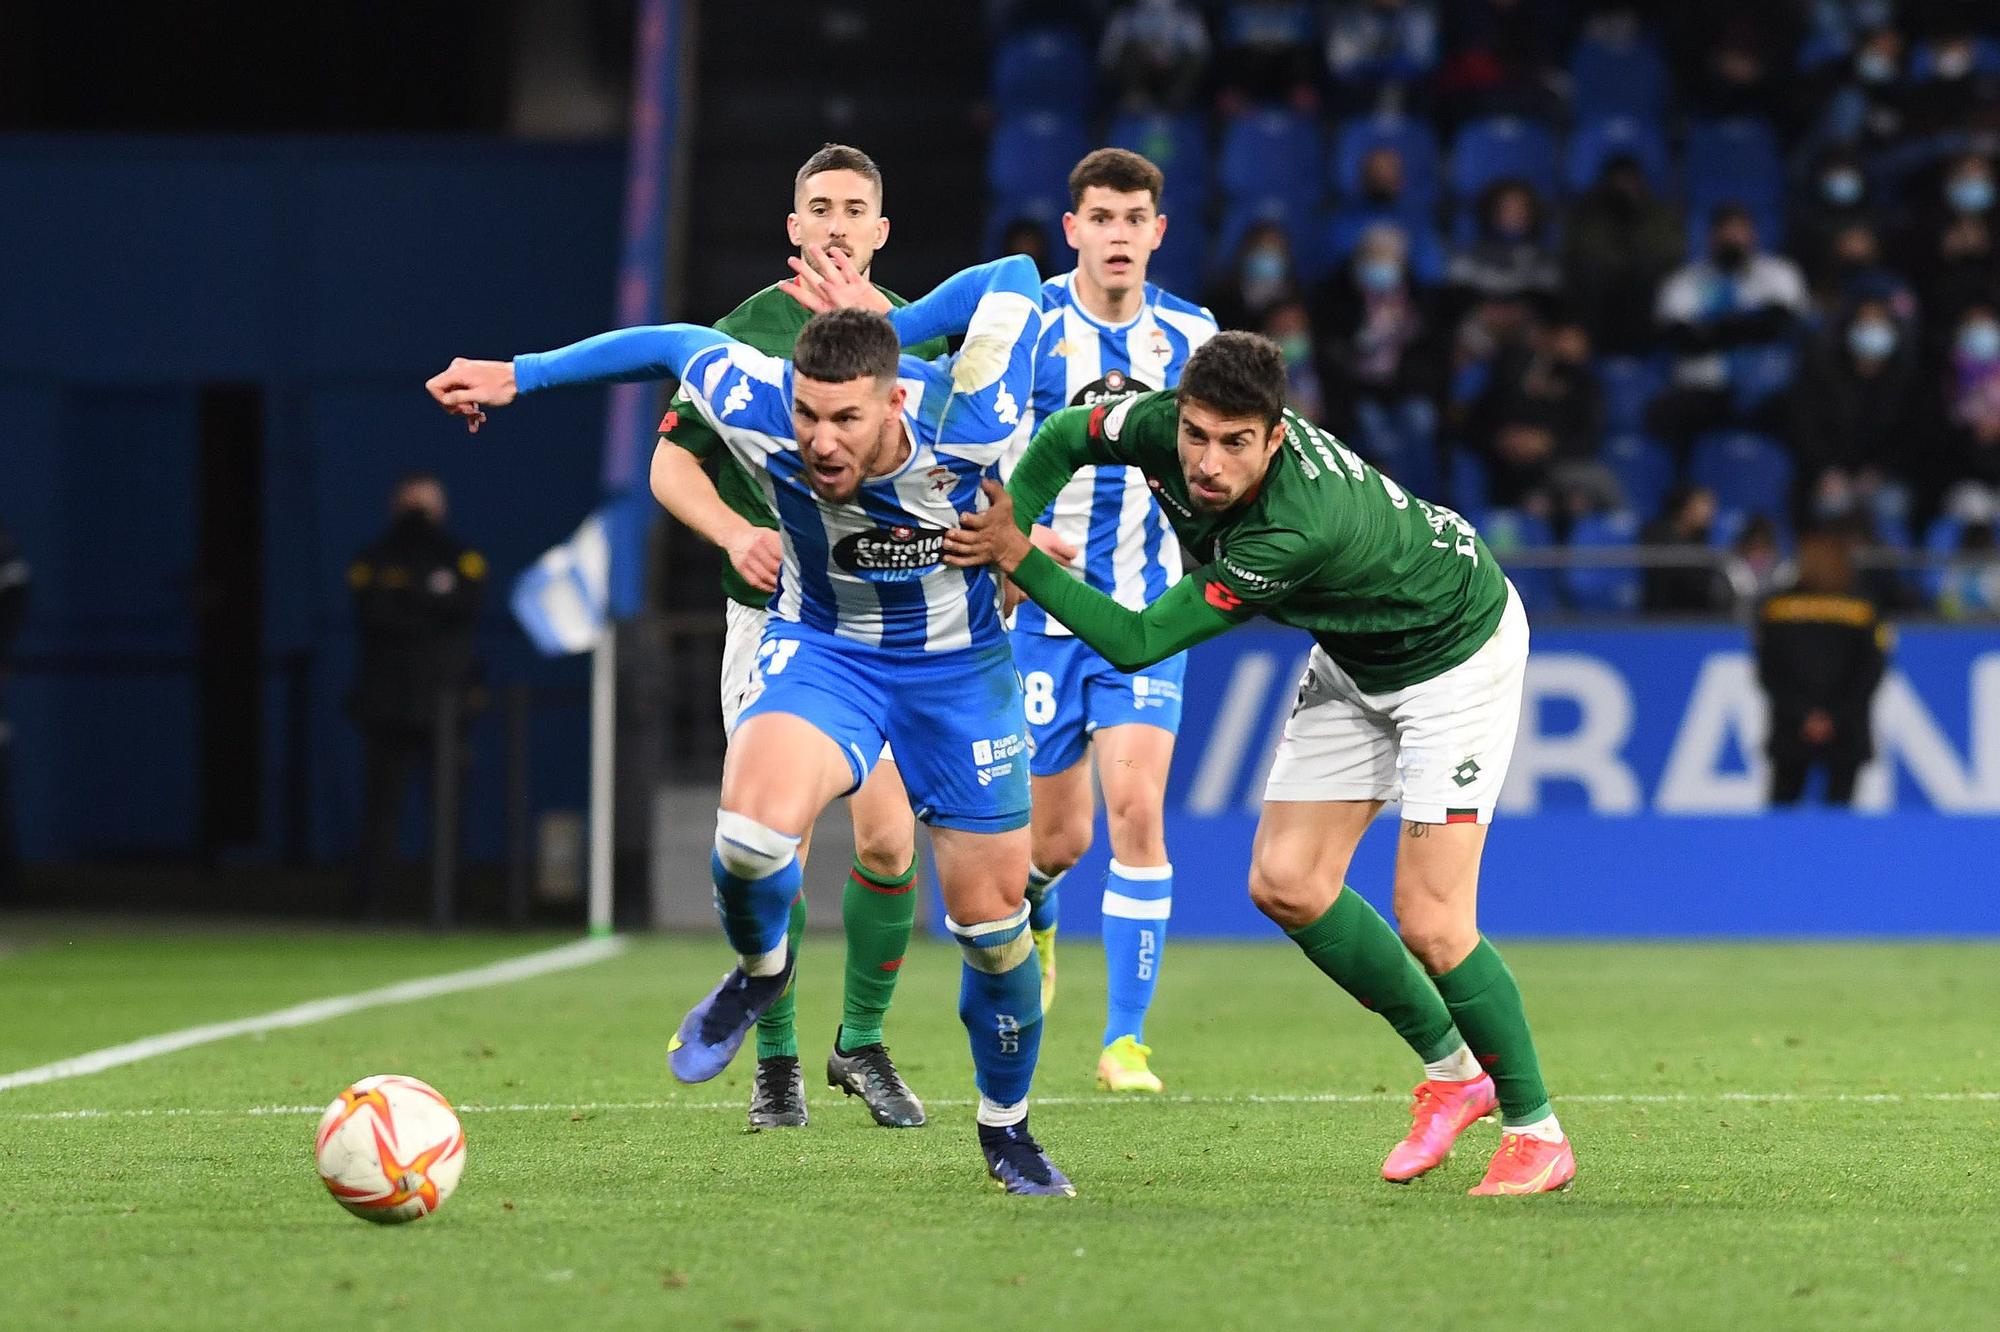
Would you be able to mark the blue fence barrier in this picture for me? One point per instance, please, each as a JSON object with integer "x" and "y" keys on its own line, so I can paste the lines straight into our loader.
{"x": 1635, "y": 802}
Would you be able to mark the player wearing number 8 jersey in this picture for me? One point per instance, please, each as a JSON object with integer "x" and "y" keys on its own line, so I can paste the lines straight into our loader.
{"x": 866, "y": 460}
{"x": 1107, "y": 333}
{"x": 1413, "y": 689}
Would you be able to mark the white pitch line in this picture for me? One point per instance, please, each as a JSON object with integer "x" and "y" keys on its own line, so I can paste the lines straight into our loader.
{"x": 1086, "y": 1102}
{"x": 565, "y": 958}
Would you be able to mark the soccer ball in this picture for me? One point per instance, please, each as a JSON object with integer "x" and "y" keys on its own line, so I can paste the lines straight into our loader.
{"x": 390, "y": 1148}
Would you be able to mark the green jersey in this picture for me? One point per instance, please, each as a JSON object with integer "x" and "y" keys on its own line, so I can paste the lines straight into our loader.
{"x": 1396, "y": 590}
{"x": 770, "y": 321}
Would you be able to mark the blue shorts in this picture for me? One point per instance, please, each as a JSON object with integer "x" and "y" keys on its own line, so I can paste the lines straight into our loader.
{"x": 953, "y": 719}
{"x": 1070, "y": 691}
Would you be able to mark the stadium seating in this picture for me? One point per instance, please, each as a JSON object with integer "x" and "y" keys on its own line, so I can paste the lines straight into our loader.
{"x": 1466, "y": 491}
{"x": 1044, "y": 69}
{"x": 1510, "y": 530}
{"x": 1624, "y": 78}
{"x": 1603, "y": 589}
{"x": 1734, "y": 161}
{"x": 1269, "y": 154}
{"x": 1596, "y": 142}
{"x": 1749, "y": 473}
{"x": 1941, "y": 540}
{"x": 1295, "y": 217}
{"x": 1645, "y": 470}
{"x": 1630, "y": 383}
{"x": 1414, "y": 139}
{"x": 1343, "y": 232}
{"x": 1030, "y": 155}
{"x": 1177, "y": 145}
{"x": 1500, "y": 147}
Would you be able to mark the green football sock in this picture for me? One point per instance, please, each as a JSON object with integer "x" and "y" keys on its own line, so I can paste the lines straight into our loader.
{"x": 776, "y": 1032}
{"x": 1486, "y": 1003}
{"x": 1354, "y": 946}
{"x": 877, "y": 914}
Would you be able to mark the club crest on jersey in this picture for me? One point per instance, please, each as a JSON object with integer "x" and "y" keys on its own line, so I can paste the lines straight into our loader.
{"x": 939, "y": 480}
{"x": 898, "y": 554}
{"x": 1115, "y": 384}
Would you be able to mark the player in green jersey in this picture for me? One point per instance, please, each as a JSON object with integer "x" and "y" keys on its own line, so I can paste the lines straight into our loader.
{"x": 1413, "y": 689}
{"x": 837, "y": 206}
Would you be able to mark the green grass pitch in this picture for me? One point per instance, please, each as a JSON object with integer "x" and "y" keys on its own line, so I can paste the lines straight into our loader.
{"x": 1769, "y": 1136}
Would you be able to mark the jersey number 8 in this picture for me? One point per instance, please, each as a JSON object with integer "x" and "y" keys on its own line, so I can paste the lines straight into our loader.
{"x": 1038, "y": 689}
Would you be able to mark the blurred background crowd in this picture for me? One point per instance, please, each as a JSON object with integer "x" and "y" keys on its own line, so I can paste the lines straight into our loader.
{"x": 1701, "y": 276}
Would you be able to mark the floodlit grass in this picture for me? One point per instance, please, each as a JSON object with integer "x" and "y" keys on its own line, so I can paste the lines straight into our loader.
{"x": 1784, "y": 1136}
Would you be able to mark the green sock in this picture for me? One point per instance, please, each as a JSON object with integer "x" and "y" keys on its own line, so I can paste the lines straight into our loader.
{"x": 776, "y": 1033}
{"x": 1486, "y": 1003}
{"x": 877, "y": 914}
{"x": 1354, "y": 946}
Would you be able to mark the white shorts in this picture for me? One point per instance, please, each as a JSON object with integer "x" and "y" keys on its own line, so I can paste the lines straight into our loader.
{"x": 742, "y": 636}
{"x": 1442, "y": 745}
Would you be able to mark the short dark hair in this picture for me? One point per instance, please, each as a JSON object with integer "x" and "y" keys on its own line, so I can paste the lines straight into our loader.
{"x": 843, "y": 345}
{"x": 1119, "y": 170}
{"x": 839, "y": 157}
{"x": 1237, "y": 374}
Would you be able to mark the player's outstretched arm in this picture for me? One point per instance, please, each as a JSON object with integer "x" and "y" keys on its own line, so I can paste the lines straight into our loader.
{"x": 465, "y": 387}
{"x": 953, "y": 306}
{"x": 1130, "y": 640}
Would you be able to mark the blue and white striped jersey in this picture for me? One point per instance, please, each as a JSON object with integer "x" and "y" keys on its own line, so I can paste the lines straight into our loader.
{"x": 869, "y": 570}
{"x": 1108, "y": 513}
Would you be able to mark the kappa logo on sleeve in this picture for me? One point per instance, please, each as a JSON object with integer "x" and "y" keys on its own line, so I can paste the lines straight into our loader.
{"x": 739, "y": 397}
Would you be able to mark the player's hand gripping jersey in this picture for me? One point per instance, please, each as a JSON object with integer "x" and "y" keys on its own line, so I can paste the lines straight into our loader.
{"x": 1107, "y": 512}
{"x": 867, "y": 570}
{"x": 1396, "y": 590}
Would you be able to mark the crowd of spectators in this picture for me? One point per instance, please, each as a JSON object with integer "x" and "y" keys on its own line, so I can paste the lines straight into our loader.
{"x": 1712, "y": 273}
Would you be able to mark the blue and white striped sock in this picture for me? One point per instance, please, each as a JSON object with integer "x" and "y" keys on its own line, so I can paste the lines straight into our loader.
{"x": 1042, "y": 898}
{"x": 1000, "y": 1002}
{"x": 756, "y": 872}
{"x": 1137, "y": 902}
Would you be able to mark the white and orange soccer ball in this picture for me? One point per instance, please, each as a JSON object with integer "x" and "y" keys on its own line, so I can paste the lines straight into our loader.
{"x": 390, "y": 1148}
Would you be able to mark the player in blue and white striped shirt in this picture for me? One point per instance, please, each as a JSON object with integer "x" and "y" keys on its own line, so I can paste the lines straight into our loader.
{"x": 868, "y": 460}
{"x": 1106, "y": 333}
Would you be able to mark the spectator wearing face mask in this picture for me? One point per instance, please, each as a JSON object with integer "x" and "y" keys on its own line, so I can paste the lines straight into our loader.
{"x": 1715, "y": 314}
{"x": 1262, "y": 275}
{"x": 1955, "y": 73}
{"x": 1837, "y": 195}
{"x": 1864, "y": 99}
{"x": 1970, "y": 589}
{"x": 1382, "y": 350}
{"x": 1969, "y": 470}
{"x": 1383, "y": 196}
{"x": 1858, "y": 418}
{"x": 1290, "y": 327}
{"x": 1508, "y": 261}
{"x": 1954, "y": 249}
{"x": 1623, "y": 240}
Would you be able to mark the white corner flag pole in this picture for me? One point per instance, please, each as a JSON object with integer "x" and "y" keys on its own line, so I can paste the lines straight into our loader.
{"x": 603, "y": 751}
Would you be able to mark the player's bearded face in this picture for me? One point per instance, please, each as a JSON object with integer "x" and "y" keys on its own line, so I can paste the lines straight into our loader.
{"x": 847, "y": 432}
{"x": 1223, "y": 459}
{"x": 840, "y": 210}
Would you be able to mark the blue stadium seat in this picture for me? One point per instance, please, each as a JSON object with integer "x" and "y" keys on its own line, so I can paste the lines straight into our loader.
{"x": 1044, "y": 69}
{"x": 1596, "y": 142}
{"x": 1412, "y": 465}
{"x": 1030, "y": 156}
{"x": 1415, "y": 139}
{"x": 1295, "y": 217}
{"x": 1181, "y": 263}
{"x": 1467, "y": 489}
{"x": 1645, "y": 470}
{"x": 1619, "y": 79}
{"x": 1758, "y": 373}
{"x": 1942, "y": 539}
{"x": 1510, "y": 530}
{"x": 1605, "y": 589}
{"x": 1501, "y": 146}
{"x": 1177, "y": 145}
{"x": 1271, "y": 154}
{"x": 1735, "y": 160}
{"x": 1046, "y": 209}
{"x": 1748, "y": 472}
{"x": 1629, "y": 383}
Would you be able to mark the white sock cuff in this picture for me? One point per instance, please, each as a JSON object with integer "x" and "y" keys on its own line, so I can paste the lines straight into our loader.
{"x": 1041, "y": 878}
{"x": 748, "y": 849}
{"x": 1141, "y": 873}
{"x": 994, "y": 1115}
{"x": 765, "y": 964}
